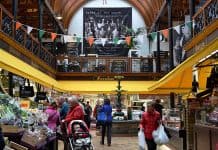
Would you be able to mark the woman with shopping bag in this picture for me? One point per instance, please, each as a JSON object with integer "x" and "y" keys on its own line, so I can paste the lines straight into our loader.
{"x": 149, "y": 122}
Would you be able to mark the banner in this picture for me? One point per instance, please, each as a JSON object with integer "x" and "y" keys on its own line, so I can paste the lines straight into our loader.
{"x": 106, "y": 25}
{"x": 181, "y": 34}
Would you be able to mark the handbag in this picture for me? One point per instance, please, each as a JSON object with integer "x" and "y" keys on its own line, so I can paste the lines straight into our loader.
{"x": 26, "y": 90}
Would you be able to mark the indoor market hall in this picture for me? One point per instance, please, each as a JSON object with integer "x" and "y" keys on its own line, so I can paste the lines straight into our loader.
{"x": 108, "y": 75}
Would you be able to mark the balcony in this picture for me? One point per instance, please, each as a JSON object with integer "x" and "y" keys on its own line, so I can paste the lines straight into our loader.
{"x": 105, "y": 68}
{"x": 23, "y": 45}
{"x": 205, "y": 27}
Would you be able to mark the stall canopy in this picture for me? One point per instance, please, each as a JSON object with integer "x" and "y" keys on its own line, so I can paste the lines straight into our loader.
{"x": 178, "y": 80}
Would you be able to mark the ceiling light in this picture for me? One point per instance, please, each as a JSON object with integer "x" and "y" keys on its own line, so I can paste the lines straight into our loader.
{"x": 59, "y": 17}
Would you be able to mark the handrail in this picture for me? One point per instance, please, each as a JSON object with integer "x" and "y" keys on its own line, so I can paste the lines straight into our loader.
{"x": 205, "y": 15}
{"x": 202, "y": 8}
{"x": 102, "y": 64}
{"x": 7, "y": 25}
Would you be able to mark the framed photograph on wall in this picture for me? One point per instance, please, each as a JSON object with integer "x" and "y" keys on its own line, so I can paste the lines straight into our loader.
{"x": 108, "y": 27}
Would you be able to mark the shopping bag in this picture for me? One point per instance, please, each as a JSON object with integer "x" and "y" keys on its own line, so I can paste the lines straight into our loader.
{"x": 141, "y": 140}
{"x": 160, "y": 136}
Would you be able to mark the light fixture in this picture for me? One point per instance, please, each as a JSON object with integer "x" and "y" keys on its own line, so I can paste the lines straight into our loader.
{"x": 59, "y": 17}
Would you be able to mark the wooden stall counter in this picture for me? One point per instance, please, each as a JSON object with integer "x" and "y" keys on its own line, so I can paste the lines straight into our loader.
{"x": 12, "y": 132}
{"x": 176, "y": 140}
{"x": 123, "y": 128}
{"x": 205, "y": 137}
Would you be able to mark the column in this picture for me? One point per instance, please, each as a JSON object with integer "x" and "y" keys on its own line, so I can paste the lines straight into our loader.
{"x": 40, "y": 6}
{"x": 10, "y": 84}
{"x": 14, "y": 12}
{"x": 158, "y": 48}
{"x": 169, "y": 6}
{"x": 192, "y": 12}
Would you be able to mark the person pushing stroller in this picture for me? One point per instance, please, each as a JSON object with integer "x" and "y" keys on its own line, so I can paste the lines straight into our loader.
{"x": 75, "y": 113}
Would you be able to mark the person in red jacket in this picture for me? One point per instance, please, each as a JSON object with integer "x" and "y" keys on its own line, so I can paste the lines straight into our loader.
{"x": 149, "y": 122}
{"x": 75, "y": 111}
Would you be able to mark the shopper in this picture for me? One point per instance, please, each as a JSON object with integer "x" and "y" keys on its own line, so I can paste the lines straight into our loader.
{"x": 88, "y": 113}
{"x": 75, "y": 110}
{"x": 158, "y": 107}
{"x": 149, "y": 122}
{"x": 2, "y": 142}
{"x": 107, "y": 125}
{"x": 95, "y": 112}
{"x": 75, "y": 113}
{"x": 64, "y": 107}
{"x": 142, "y": 111}
{"x": 53, "y": 116}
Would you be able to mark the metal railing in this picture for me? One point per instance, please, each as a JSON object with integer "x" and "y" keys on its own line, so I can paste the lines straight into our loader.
{"x": 108, "y": 64}
{"x": 205, "y": 16}
{"x": 7, "y": 26}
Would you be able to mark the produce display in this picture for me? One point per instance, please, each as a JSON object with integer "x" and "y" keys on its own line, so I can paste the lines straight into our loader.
{"x": 10, "y": 112}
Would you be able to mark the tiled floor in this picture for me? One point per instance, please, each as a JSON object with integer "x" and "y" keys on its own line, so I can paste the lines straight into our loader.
{"x": 118, "y": 143}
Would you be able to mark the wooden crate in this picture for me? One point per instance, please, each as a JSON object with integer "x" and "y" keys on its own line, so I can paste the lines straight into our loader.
{"x": 11, "y": 129}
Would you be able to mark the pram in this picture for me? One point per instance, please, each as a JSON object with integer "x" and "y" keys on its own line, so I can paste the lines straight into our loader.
{"x": 78, "y": 136}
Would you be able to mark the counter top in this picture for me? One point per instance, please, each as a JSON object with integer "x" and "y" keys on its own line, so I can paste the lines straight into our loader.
{"x": 121, "y": 121}
{"x": 206, "y": 126}
{"x": 173, "y": 129}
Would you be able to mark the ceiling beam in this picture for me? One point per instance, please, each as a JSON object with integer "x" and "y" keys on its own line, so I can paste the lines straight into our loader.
{"x": 161, "y": 13}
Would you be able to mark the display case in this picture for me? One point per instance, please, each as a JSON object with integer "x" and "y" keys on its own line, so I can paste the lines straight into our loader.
{"x": 172, "y": 118}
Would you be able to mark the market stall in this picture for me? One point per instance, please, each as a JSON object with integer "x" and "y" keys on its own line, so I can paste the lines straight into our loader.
{"x": 25, "y": 127}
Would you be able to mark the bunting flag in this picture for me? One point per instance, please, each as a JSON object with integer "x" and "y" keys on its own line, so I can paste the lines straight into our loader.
{"x": 74, "y": 38}
{"x": 103, "y": 41}
{"x": 66, "y": 38}
{"x": 165, "y": 33}
{"x": 29, "y": 29}
{"x": 41, "y": 33}
{"x": 90, "y": 40}
{"x": 189, "y": 24}
{"x": 153, "y": 35}
{"x": 53, "y": 36}
{"x": 177, "y": 28}
{"x": 193, "y": 24}
{"x": 18, "y": 25}
{"x": 78, "y": 39}
{"x": 128, "y": 40}
{"x": 115, "y": 40}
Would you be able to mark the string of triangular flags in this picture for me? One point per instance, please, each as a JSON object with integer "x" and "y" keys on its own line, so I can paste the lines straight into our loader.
{"x": 91, "y": 39}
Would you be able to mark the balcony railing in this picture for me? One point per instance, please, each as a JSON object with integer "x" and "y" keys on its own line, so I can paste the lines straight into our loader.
{"x": 205, "y": 16}
{"x": 107, "y": 64}
{"x": 70, "y": 64}
{"x": 7, "y": 26}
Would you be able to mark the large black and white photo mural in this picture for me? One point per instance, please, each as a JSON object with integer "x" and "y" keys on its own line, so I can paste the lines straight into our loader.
{"x": 181, "y": 35}
{"x": 108, "y": 27}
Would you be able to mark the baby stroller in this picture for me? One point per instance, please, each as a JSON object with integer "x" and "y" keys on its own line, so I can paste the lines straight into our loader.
{"x": 78, "y": 136}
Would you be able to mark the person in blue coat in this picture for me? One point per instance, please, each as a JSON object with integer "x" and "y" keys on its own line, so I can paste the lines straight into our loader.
{"x": 107, "y": 125}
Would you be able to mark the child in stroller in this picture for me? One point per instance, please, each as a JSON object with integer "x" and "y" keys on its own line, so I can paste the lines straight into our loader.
{"x": 78, "y": 136}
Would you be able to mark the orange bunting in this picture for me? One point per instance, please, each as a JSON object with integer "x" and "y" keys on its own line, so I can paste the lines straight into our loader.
{"x": 18, "y": 25}
{"x": 165, "y": 33}
{"x": 90, "y": 40}
{"x": 128, "y": 40}
{"x": 53, "y": 36}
